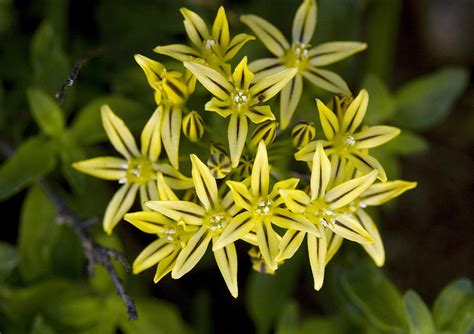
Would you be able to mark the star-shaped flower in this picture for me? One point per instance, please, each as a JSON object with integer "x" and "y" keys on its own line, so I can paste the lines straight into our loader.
{"x": 343, "y": 143}
{"x": 136, "y": 171}
{"x": 240, "y": 98}
{"x": 301, "y": 55}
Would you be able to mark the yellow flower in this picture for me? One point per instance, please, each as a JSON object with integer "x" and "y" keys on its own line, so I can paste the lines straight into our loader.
{"x": 212, "y": 216}
{"x": 240, "y": 99}
{"x": 261, "y": 209}
{"x": 136, "y": 171}
{"x": 343, "y": 143}
{"x": 213, "y": 48}
{"x": 301, "y": 55}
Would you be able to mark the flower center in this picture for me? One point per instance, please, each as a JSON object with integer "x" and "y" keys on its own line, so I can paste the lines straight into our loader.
{"x": 264, "y": 207}
{"x": 139, "y": 171}
{"x": 217, "y": 222}
{"x": 344, "y": 143}
{"x": 240, "y": 98}
{"x": 209, "y": 43}
{"x": 320, "y": 210}
{"x": 298, "y": 56}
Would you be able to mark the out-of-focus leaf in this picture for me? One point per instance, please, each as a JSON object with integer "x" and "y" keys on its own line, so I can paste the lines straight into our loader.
{"x": 266, "y": 294}
{"x": 6, "y": 15}
{"x": 46, "y": 112}
{"x": 202, "y": 317}
{"x": 80, "y": 312}
{"x": 87, "y": 127}
{"x": 40, "y": 326}
{"x": 407, "y": 143}
{"x": 382, "y": 105}
{"x": 50, "y": 65}
{"x": 289, "y": 319}
{"x": 324, "y": 325}
{"x": 155, "y": 316}
{"x": 388, "y": 160}
{"x": 37, "y": 235}
{"x": 418, "y": 314}
{"x": 70, "y": 152}
{"x": 8, "y": 260}
{"x": 453, "y": 309}
{"x": 426, "y": 101}
{"x": 33, "y": 159}
{"x": 379, "y": 300}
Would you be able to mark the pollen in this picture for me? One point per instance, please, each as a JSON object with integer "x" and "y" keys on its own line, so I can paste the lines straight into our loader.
{"x": 264, "y": 207}
{"x": 209, "y": 43}
{"x": 139, "y": 171}
{"x": 349, "y": 140}
{"x": 240, "y": 98}
{"x": 217, "y": 222}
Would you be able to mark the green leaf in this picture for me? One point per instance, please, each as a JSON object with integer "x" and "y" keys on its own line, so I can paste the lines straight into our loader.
{"x": 418, "y": 314}
{"x": 379, "y": 300}
{"x": 33, "y": 159}
{"x": 46, "y": 112}
{"x": 8, "y": 260}
{"x": 87, "y": 127}
{"x": 40, "y": 326}
{"x": 324, "y": 325}
{"x": 426, "y": 101}
{"x": 382, "y": 105}
{"x": 288, "y": 320}
{"x": 266, "y": 294}
{"x": 201, "y": 312}
{"x": 453, "y": 309}
{"x": 37, "y": 235}
{"x": 407, "y": 143}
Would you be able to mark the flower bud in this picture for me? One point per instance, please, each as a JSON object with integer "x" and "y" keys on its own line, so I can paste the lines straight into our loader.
{"x": 302, "y": 134}
{"x": 193, "y": 126}
{"x": 219, "y": 161}
{"x": 265, "y": 131}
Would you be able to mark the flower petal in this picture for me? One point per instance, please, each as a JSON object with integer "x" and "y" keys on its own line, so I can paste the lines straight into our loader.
{"x": 320, "y": 174}
{"x": 223, "y": 108}
{"x": 119, "y": 205}
{"x": 375, "y": 249}
{"x": 171, "y": 133}
{"x": 152, "y": 69}
{"x": 148, "y": 192}
{"x": 267, "y": 243}
{"x": 191, "y": 253}
{"x": 173, "y": 178}
{"x": 189, "y": 212}
{"x": 375, "y": 136}
{"x": 175, "y": 88}
{"x": 242, "y": 76}
{"x": 290, "y": 243}
{"x": 265, "y": 131}
{"x": 151, "y": 136}
{"x": 366, "y": 163}
{"x": 152, "y": 254}
{"x": 326, "y": 80}
{"x": 118, "y": 133}
{"x": 264, "y": 67}
{"x": 355, "y": 112}
{"x": 166, "y": 265}
{"x": 220, "y": 28}
{"x": 242, "y": 196}
{"x": 269, "y": 86}
{"x": 267, "y": 33}
{"x": 226, "y": 259}
{"x": 237, "y": 135}
{"x": 193, "y": 126}
{"x": 107, "y": 168}
{"x": 251, "y": 238}
{"x": 180, "y": 52}
{"x": 348, "y": 191}
{"x": 349, "y": 228}
{"x": 260, "y": 172}
{"x": 205, "y": 184}
{"x": 239, "y": 226}
{"x": 293, "y": 221}
{"x": 195, "y": 27}
{"x": 302, "y": 134}
{"x": 212, "y": 80}
{"x": 332, "y": 52}
{"x": 304, "y": 22}
{"x": 289, "y": 99}
{"x": 329, "y": 121}
{"x": 333, "y": 242}
{"x": 338, "y": 169}
{"x": 295, "y": 200}
{"x": 317, "y": 258}
{"x": 164, "y": 191}
{"x": 258, "y": 114}
{"x": 380, "y": 193}
{"x": 235, "y": 45}
{"x": 147, "y": 221}
{"x": 280, "y": 185}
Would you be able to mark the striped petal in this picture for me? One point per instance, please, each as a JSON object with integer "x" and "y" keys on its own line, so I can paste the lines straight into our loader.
{"x": 173, "y": 178}
{"x": 317, "y": 258}
{"x": 166, "y": 266}
{"x": 242, "y": 76}
{"x": 366, "y": 163}
{"x": 189, "y": 212}
{"x": 226, "y": 259}
{"x": 289, "y": 244}
{"x": 347, "y": 192}
{"x": 171, "y": 133}
{"x": 175, "y": 88}
{"x": 152, "y": 254}
{"x": 320, "y": 174}
{"x": 121, "y": 202}
{"x": 280, "y": 185}
{"x": 180, "y": 52}
{"x": 267, "y": 243}
{"x": 191, "y": 253}
{"x": 258, "y": 114}
{"x": 380, "y": 193}
{"x": 235, "y": 45}
{"x": 237, "y": 135}
{"x": 375, "y": 249}
{"x": 152, "y": 69}
{"x": 147, "y": 221}
{"x": 304, "y": 22}
{"x": 241, "y": 195}
{"x": 212, "y": 80}
{"x": 267, "y": 33}
{"x": 375, "y": 136}
{"x": 293, "y": 221}
{"x": 295, "y": 200}
{"x": 205, "y": 184}
{"x": 148, "y": 192}
{"x": 239, "y": 226}
{"x": 195, "y": 27}
{"x": 349, "y": 228}
{"x": 118, "y": 133}
{"x": 164, "y": 191}
{"x": 265, "y": 131}
{"x": 223, "y": 108}
{"x": 107, "y": 168}
{"x": 333, "y": 242}
{"x": 264, "y": 67}
{"x": 355, "y": 112}
{"x": 220, "y": 28}
{"x": 302, "y": 134}
{"x": 329, "y": 121}
{"x": 193, "y": 126}
{"x": 151, "y": 136}
{"x": 289, "y": 99}
{"x": 326, "y": 80}
{"x": 338, "y": 169}
{"x": 332, "y": 52}
{"x": 267, "y": 87}
{"x": 251, "y": 238}
{"x": 260, "y": 179}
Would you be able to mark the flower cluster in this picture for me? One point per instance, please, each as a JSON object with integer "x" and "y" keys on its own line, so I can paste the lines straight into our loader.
{"x": 235, "y": 196}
